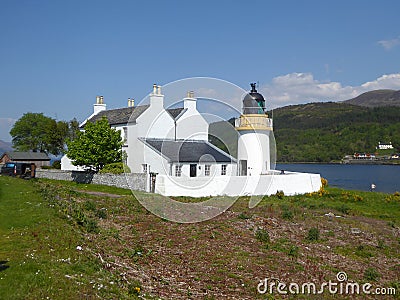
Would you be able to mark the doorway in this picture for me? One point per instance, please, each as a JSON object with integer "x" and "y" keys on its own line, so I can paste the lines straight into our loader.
{"x": 243, "y": 167}
{"x": 193, "y": 170}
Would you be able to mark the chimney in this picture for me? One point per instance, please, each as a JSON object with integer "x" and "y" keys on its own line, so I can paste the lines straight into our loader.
{"x": 190, "y": 101}
{"x": 131, "y": 102}
{"x": 156, "y": 98}
{"x": 99, "y": 105}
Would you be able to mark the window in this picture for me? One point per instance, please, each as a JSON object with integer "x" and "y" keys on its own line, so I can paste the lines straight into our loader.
{"x": 223, "y": 169}
{"x": 125, "y": 135}
{"x": 178, "y": 170}
{"x": 144, "y": 167}
{"x": 207, "y": 169}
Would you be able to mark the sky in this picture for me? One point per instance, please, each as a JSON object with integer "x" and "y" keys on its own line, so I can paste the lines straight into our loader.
{"x": 56, "y": 56}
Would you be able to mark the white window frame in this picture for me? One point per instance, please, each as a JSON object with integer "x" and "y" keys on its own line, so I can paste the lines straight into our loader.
{"x": 178, "y": 170}
{"x": 207, "y": 170}
{"x": 223, "y": 169}
{"x": 145, "y": 168}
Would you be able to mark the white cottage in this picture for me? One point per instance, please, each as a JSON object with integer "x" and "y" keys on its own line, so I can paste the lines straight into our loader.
{"x": 171, "y": 142}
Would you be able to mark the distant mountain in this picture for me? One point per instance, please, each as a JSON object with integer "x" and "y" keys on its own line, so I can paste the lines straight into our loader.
{"x": 5, "y": 147}
{"x": 377, "y": 98}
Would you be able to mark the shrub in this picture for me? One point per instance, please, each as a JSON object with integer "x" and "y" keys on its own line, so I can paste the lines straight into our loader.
{"x": 371, "y": 274}
{"x": 313, "y": 234}
{"x": 91, "y": 226}
{"x": 89, "y": 205}
{"x": 280, "y": 194}
{"x": 243, "y": 216}
{"x": 262, "y": 235}
{"x": 56, "y": 164}
{"x": 101, "y": 213}
{"x": 344, "y": 209}
{"x": 293, "y": 251}
{"x": 287, "y": 214}
{"x": 115, "y": 168}
{"x": 324, "y": 182}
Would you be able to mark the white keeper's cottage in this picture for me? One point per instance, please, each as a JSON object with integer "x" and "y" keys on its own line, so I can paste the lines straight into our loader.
{"x": 171, "y": 142}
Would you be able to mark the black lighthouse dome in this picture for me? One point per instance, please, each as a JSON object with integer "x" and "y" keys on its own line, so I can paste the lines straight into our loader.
{"x": 253, "y": 102}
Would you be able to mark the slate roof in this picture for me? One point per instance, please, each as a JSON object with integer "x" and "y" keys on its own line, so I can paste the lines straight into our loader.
{"x": 176, "y": 112}
{"x": 188, "y": 151}
{"x": 120, "y": 115}
{"x": 129, "y": 114}
{"x": 27, "y": 155}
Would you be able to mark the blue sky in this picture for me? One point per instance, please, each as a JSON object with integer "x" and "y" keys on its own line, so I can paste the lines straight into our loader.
{"x": 56, "y": 56}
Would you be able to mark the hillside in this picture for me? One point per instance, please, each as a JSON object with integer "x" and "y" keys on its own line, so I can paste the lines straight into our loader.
{"x": 61, "y": 240}
{"x": 322, "y": 132}
{"x": 377, "y": 98}
{"x": 5, "y": 147}
{"x": 223, "y": 135}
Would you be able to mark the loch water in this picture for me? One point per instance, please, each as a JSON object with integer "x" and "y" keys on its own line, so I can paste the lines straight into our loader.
{"x": 353, "y": 177}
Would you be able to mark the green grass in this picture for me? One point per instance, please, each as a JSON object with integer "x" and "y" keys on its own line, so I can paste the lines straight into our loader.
{"x": 43, "y": 221}
{"x": 38, "y": 249}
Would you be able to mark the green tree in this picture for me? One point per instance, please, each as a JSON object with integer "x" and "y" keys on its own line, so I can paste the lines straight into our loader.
{"x": 39, "y": 133}
{"x": 95, "y": 147}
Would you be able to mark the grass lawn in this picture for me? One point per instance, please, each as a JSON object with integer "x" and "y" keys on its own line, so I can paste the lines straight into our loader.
{"x": 62, "y": 240}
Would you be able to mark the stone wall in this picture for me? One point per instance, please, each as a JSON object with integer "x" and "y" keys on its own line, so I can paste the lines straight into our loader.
{"x": 135, "y": 181}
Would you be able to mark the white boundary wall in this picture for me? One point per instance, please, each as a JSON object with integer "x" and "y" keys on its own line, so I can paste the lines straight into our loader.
{"x": 291, "y": 183}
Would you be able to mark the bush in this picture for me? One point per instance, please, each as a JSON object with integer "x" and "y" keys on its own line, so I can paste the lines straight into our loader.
{"x": 56, "y": 164}
{"x": 293, "y": 251}
{"x": 313, "y": 234}
{"x": 371, "y": 274}
{"x": 262, "y": 235}
{"x": 280, "y": 194}
{"x": 286, "y": 214}
{"x": 243, "y": 216}
{"x": 115, "y": 168}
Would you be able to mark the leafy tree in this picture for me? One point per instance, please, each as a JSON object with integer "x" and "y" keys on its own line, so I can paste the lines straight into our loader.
{"x": 39, "y": 133}
{"x": 96, "y": 147}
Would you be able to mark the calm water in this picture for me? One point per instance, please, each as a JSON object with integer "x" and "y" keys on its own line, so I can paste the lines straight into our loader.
{"x": 353, "y": 177}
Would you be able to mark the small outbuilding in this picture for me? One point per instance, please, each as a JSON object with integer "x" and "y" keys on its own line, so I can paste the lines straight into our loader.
{"x": 38, "y": 158}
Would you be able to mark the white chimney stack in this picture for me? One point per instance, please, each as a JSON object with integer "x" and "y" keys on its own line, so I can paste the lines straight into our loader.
{"x": 156, "y": 98}
{"x": 190, "y": 101}
{"x": 131, "y": 102}
{"x": 99, "y": 105}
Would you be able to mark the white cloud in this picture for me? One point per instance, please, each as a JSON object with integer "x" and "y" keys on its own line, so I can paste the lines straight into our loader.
{"x": 296, "y": 88}
{"x": 389, "y": 44}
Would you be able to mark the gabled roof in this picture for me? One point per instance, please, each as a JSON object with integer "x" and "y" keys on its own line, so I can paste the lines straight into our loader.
{"x": 176, "y": 112}
{"x": 14, "y": 155}
{"x": 120, "y": 115}
{"x": 188, "y": 151}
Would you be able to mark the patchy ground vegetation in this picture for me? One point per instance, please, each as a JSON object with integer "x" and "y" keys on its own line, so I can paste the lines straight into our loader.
{"x": 62, "y": 240}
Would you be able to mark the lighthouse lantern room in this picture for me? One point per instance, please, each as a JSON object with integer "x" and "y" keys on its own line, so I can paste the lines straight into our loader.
{"x": 254, "y": 128}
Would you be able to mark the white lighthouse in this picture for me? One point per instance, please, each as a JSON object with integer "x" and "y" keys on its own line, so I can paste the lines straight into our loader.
{"x": 254, "y": 128}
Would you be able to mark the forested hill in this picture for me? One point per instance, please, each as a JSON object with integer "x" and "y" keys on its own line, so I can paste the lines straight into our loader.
{"x": 323, "y": 132}
{"x": 377, "y": 98}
